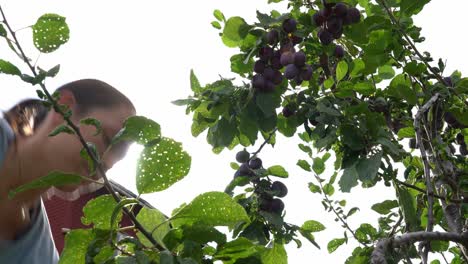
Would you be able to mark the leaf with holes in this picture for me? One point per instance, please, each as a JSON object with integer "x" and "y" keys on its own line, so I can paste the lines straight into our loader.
{"x": 335, "y": 244}
{"x": 161, "y": 165}
{"x": 139, "y": 129}
{"x": 312, "y": 226}
{"x": 275, "y": 255}
{"x": 76, "y": 246}
{"x": 151, "y": 219}
{"x": 211, "y": 208}
{"x": 50, "y": 32}
{"x": 99, "y": 211}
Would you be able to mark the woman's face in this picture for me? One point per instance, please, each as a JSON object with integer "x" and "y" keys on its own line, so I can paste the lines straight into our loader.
{"x": 67, "y": 147}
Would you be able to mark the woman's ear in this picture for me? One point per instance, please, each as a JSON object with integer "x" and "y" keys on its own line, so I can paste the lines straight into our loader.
{"x": 66, "y": 98}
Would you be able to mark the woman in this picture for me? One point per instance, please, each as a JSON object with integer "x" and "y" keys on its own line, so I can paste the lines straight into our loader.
{"x": 27, "y": 153}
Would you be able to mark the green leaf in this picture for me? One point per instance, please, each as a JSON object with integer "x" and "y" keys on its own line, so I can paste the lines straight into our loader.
{"x": 50, "y": 32}
{"x": 318, "y": 166}
{"x": 415, "y": 69}
{"x": 328, "y": 189}
{"x": 267, "y": 103}
{"x": 3, "y": 32}
{"x": 235, "y": 31}
{"x": 194, "y": 83}
{"x": 8, "y": 68}
{"x": 406, "y": 132}
{"x": 61, "y": 129}
{"x": 385, "y": 207}
{"x": 222, "y": 134}
{"x": 341, "y": 70}
{"x": 309, "y": 236}
{"x": 367, "y": 168}
{"x": 76, "y": 246}
{"x": 304, "y": 165}
{"x": 92, "y": 122}
{"x": 312, "y": 226}
{"x": 364, "y": 88}
{"x": 386, "y": 72}
{"x": 358, "y": 66}
{"x": 150, "y": 219}
{"x": 161, "y": 165}
{"x": 139, "y": 129}
{"x": 352, "y": 211}
{"x": 54, "y": 178}
{"x": 408, "y": 205}
{"x": 216, "y": 24}
{"x": 236, "y": 249}
{"x": 349, "y": 179}
{"x": 211, "y": 208}
{"x": 278, "y": 171}
{"x": 335, "y": 244}
{"x": 117, "y": 211}
{"x": 411, "y": 7}
{"x": 275, "y": 255}
{"x": 203, "y": 234}
{"x": 219, "y": 15}
{"x": 84, "y": 154}
{"x": 314, "y": 188}
{"x": 98, "y": 212}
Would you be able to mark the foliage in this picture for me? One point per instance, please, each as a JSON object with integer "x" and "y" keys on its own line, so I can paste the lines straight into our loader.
{"x": 348, "y": 80}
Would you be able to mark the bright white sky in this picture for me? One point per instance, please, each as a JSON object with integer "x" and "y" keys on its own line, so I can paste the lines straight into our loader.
{"x": 147, "y": 48}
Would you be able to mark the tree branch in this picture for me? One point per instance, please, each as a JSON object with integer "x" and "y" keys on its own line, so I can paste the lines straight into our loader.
{"x": 80, "y": 137}
{"x": 427, "y": 169}
{"x": 435, "y": 195}
{"x": 378, "y": 256}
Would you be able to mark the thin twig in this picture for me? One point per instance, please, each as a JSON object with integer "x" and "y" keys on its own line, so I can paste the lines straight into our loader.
{"x": 410, "y": 42}
{"x": 425, "y": 191}
{"x": 345, "y": 224}
{"x": 397, "y": 224}
{"x": 427, "y": 169}
{"x": 264, "y": 143}
{"x": 80, "y": 137}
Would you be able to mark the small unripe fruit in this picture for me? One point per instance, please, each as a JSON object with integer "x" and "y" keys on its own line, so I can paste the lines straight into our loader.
{"x": 289, "y": 25}
{"x": 242, "y": 156}
{"x": 299, "y": 58}
{"x": 255, "y": 163}
{"x": 279, "y": 189}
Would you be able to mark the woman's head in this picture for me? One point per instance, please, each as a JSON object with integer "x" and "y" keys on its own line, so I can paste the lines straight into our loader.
{"x": 32, "y": 121}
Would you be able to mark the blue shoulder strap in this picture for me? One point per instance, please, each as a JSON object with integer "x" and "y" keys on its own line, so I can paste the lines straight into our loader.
{"x": 6, "y": 136}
